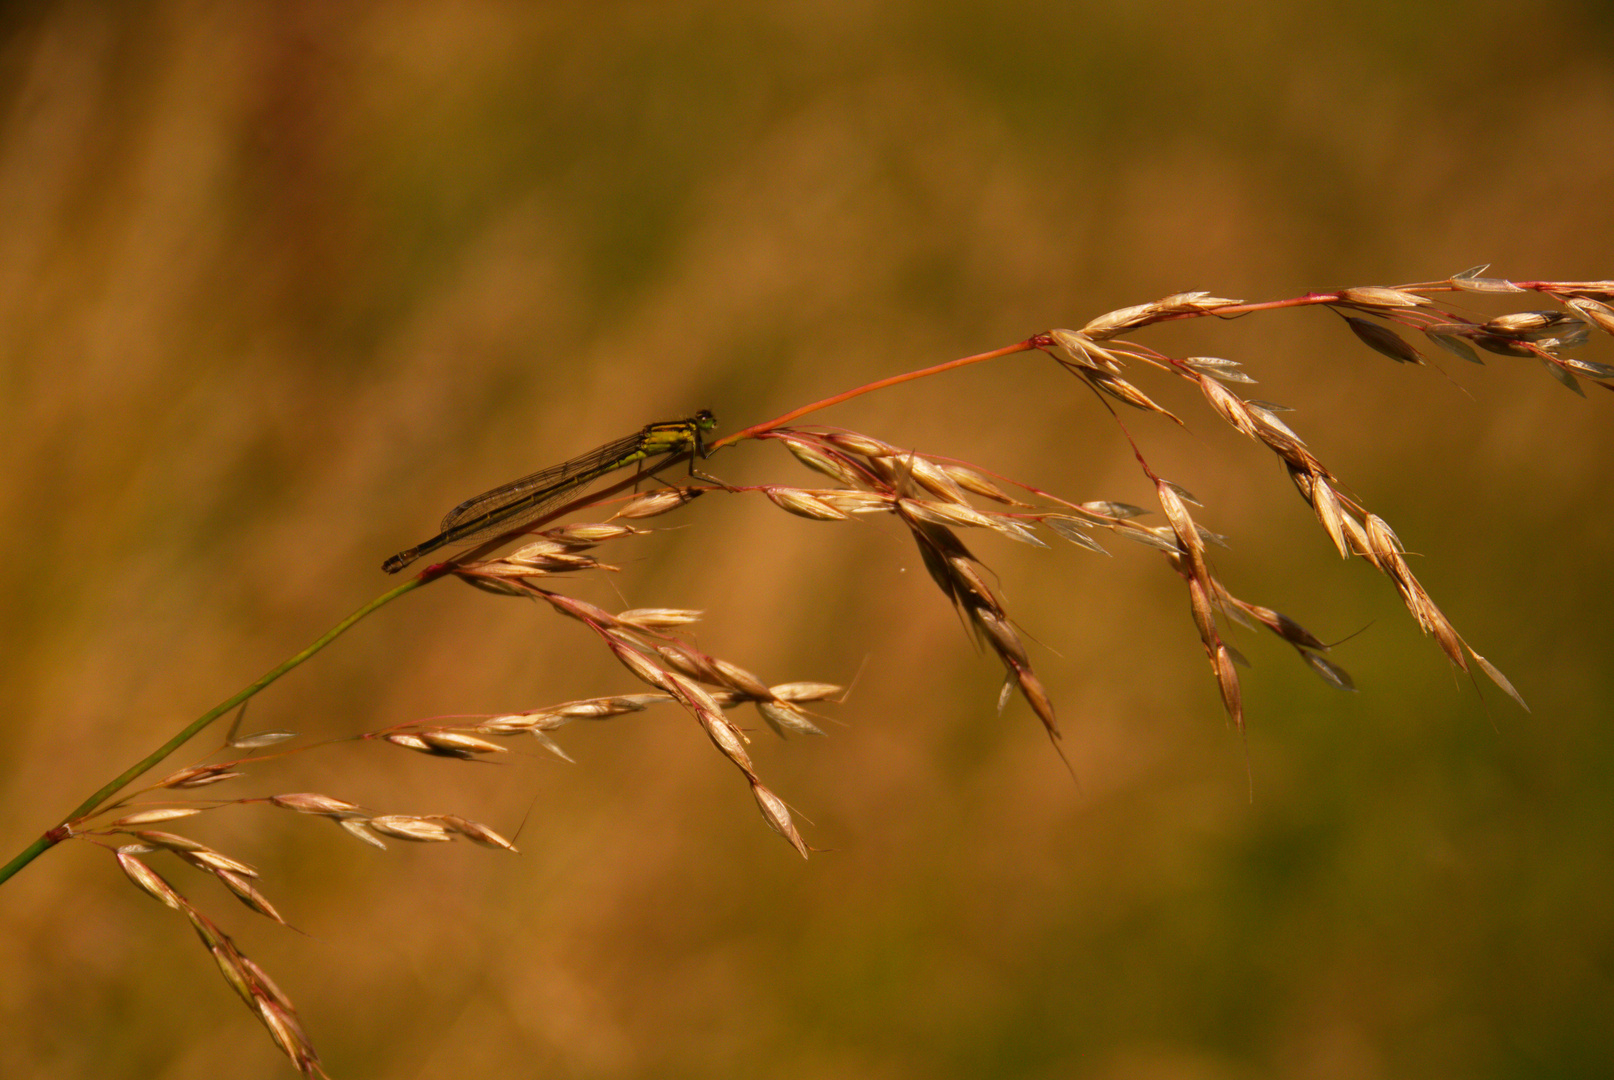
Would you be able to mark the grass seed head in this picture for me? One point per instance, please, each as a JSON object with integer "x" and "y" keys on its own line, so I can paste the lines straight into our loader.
{"x": 149, "y": 880}
{"x": 408, "y": 827}
{"x": 777, "y": 815}
{"x": 803, "y": 503}
{"x": 654, "y": 503}
{"x": 783, "y": 716}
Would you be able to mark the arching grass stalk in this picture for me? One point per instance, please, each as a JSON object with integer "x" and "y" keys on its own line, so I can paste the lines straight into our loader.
{"x": 89, "y": 806}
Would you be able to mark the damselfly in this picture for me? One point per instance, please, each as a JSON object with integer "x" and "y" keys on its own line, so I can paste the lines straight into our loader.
{"x": 509, "y": 506}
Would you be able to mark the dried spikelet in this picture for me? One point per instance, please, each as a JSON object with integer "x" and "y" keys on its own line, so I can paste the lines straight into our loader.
{"x": 946, "y": 514}
{"x": 1120, "y": 320}
{"x": 1036, "y": 696}
{"x": 459, "y": 743}
{"x": 474, "y": 831}
{"x": 1084, "y": 352}
{"x": 817, "y": 460}
{"x": 1471, "y": 281}
{"x": 1216, "y": 367}
{"x": 698, "y": 698}
{"x": 1285, "y": 627}
{"x": 1498, "y": 678}
{"x": 1539, "y": 326}
{"x": 538, "y": 549}
{"x": 1331, "y": 672}
{"x": 1005, "y": 641}
{"x": 736, "y": 677}
{"x": 263, "y": 984}
{"x": 1330, "y": 513}
{"x": 248, "y": 894}
{"x": 640, "y": 666}
{"x": 590, "y": 533}
{"x": 1454, "y": 345}
{"x": 1071, "y": 529}
{"x": 1198, "y": 300}
{"x": 1383, "y": 340}
{"x": 1275, "y": 433}
{"x": 1379, "y": 297}
{"x": 654, "y": 503}
{"x": 856, "y": 502}
{"x": 1121, "y": 390}
{"x": 213, "y": 861}
{"x": 615, "y": 705}
{"x": 1161, "y": 537}
{"x": 975, "y": 483}
{"x": 965, "y": 582}
{"x": 1383, "y": 546}
{"x": 695, "y": 664}
{"x": 581, "y": 610}
{"x": 1591, "y": 368}
{"x": 308, "y": 802}
{"x": 199, "y": 776}
{"x": 356, "y": 826}
{"x": 657, "y": 618}
{"x": 1014, "y": 530}
{"x": 408, "y": 827}
{"x": 148, "y": 879}
{"x": 1227, "y": 680}
{"x": 804, "y": 691}
{"x": 1182, "y": 523}
{"x": 934, "y": 478}
{"x": 1597, "y": 313}
{"x": 1112, "y": 511}
{"x": 151, "y": 817}
{"x": 235, "y": 973}
{"x": 260, "y": 739}
{"x": 1231, "y": 407}
{"x": 861, "y": 445}
{"x": 777, "y": 815}
{"x": 727, "y": 738}
{"x": 1199, "y": 603}
{"x": 287, "y": 1033}
{"x": 803, "y": 503}
{"x": 783, "y": 716}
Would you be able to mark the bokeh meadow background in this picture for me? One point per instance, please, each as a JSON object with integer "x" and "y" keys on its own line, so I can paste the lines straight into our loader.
{"x": 280, "y": 282}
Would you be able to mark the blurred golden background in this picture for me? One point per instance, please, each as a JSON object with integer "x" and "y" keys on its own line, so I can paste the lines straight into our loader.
{"x": 280, "y": 282}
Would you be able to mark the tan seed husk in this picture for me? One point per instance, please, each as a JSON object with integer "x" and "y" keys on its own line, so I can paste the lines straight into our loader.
{"x": 460, "y": 743}
{"x": 740, "y": 679}
{"x": 149, "y": 880}
{"x": 804, "y": 691}
{"x": 407, "y": 827}
{"x": 820, "y": 462}
{"x": 777, "y": 815}
{"x": 199, "y": 776}
{"x": 657, "y": 618}
{"x": 861, "y": 445}
{"x": 803, "y": 504}
{"x": 1380, "y": 297}
{"x": 590, "y": 532}
{"x": 783, "y": 716}
{"x": 1383, "y": 340}
{"x": 976, "y": 484}
{"x": 476, "y": 832}
{"x": 1120, "y": 320}
{"x": 1084, "y": 352}
{"x": 655, "y": 503}
{"x": 151, "y": 817}
{"x": 307, "y": 802}
{"x": 248, "y": 894}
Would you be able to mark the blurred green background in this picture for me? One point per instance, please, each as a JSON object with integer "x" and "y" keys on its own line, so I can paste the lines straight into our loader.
{"x": 280, "y": 282}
